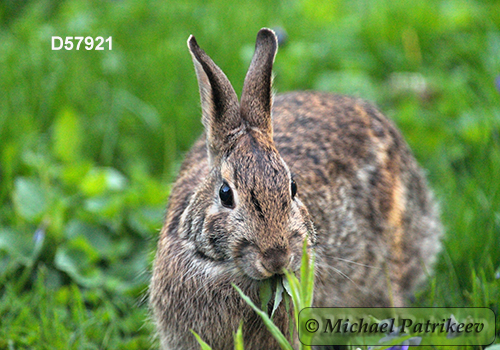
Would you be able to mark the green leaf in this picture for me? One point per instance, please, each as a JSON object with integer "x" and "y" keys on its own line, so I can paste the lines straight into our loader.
{"x": 203, "y": 345}
{"x": 286, "y": 286}
{"x": 77, "y": 258}
{"x": 109, "y": 207}
{"x": 17, "y": 247}
{"x": 95, "y": 235}
{"x": 265, "y": 293}
{"x": 275, "y": 331}
{"x": 73, "y": 173}
{"x": 67, "y": 138}
{"x": 30, "y": 199}
{"x": 278, "y": 295}
{"x": 101, "y": 180}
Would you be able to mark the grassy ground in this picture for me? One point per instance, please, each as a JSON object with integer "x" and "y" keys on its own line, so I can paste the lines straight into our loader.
{"x": 90, "y": 140}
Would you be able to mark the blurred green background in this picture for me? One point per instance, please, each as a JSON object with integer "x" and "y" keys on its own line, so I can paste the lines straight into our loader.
{"x": 90, "y": 141}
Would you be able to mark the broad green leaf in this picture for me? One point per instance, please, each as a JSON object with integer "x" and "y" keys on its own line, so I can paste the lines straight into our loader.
{"x": 17, "y": 246}
{"x": 30, "y": 199}
{"x": 265, "y": 293}
{"x": 110, "y": 207}
{"x": 95, "y": 235}
{"x": 101, "y": 180}
{"x": 67, "y": 136}
{"x": 77, "y": 260}
{"x": 73, "y": 173}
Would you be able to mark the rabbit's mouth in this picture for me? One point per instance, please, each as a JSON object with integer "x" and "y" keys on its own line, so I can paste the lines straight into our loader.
{"x": 262, "y": 262}
{"x": 259, "y": 272}
{"x": 270, "y": 269}
{"x": 260, "y": 267}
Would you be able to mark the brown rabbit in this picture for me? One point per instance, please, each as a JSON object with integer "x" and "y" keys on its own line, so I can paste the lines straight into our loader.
{"x": 266, "y": 176}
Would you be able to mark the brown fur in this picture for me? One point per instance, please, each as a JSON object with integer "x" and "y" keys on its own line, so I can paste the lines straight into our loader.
{"x": 362, "y": 204}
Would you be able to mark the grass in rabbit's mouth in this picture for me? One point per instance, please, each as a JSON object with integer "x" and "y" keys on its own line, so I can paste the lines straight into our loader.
{"x": 269, "y": 288}
{"x": 90, "y": 141}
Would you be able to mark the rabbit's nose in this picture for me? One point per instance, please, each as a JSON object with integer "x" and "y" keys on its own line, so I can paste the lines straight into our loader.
{"x": 275, "y": 260}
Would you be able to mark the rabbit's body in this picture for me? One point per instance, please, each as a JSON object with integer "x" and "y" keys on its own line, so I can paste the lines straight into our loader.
{"x": 362, "y": 203}
{"x": 366, "y": 194}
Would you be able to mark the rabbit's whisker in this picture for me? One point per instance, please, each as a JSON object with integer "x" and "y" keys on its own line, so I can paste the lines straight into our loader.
{"x": 356, "y": 263}
{"x": 343, "y": 275}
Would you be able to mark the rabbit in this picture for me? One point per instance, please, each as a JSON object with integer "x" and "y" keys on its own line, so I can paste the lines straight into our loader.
{"x": 267, "y": 174}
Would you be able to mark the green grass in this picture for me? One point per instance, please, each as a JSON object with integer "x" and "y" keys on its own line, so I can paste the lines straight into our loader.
{"x": 90, "y": 140}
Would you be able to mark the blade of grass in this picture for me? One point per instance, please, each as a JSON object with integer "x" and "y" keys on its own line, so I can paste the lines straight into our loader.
{"x": 307, "y": 276}
{"x": 203, "y": 345}
{"x": 292, "y": 286}
{"x": 287, "y": 301}
{"x": 275, "y": 331}
{"x": 238, "y": 338}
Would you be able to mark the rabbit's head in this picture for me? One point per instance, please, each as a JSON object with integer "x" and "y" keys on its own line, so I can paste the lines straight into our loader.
{"x": 247, "y": 211}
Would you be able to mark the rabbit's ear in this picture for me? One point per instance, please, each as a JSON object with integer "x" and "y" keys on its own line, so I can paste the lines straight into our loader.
{"x": 219, "y": 103}
{"x": 256, "y": 98}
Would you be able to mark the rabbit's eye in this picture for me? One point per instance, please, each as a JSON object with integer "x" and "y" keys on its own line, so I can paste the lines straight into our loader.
{"x": 226, "y": 195}
{"x": 294, "y": 188}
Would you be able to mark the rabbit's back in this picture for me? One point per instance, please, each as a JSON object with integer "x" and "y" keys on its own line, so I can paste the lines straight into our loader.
{"x": 368, "y": 198}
